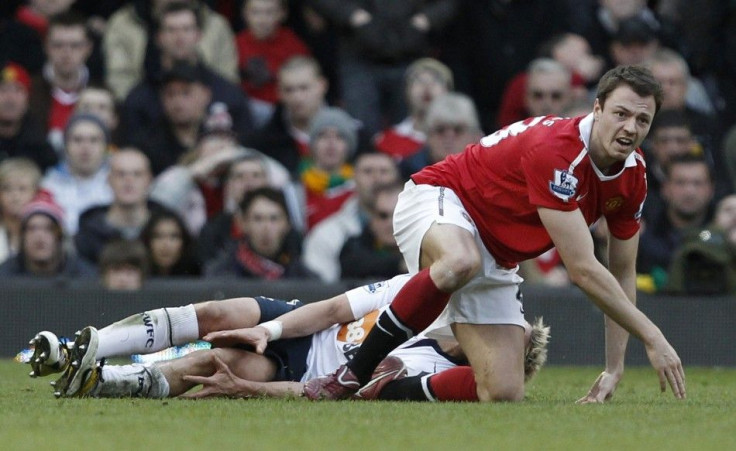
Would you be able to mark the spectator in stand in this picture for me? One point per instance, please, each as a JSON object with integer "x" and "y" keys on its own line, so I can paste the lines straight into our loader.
{"x": 20, "y": 134}
{"x": 670, "y": 137}
{"x": 80, "y": 181}
{"x": 452, "y": 123}
{"x": 548, "y": 91}
{"x": 302, "y": 90}
{"x": 326, "y": 175}
{"x": 634, "y": 42}
{"x": 425, "y": 79}
{"x": 688, "y": 194}
{"x": 56, "y": 90}
{"x": 185, "y": 98}
{"x": 129, "y": 39}
{"x": 681, "y": 93}
{"x": 378, "y": 42}
{"x": 98, "y": 100}
{"x": 42, "y": 252}
{"x": 262, "y": 48}
{"x": 125, "y": 216}
{"x": 246, "y": 172}
{"x": 19, "y": 183}
{"x": 169, "y": 246}
{"x": 324, "y": 242}
{"x": 176, "y": 42}
{"x": 269, "y": 248}
{"x": 374, "y": 253}
{"x": 123, "y": 265}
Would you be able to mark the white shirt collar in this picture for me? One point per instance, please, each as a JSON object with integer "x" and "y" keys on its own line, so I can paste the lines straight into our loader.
{"x": 586, "y": 129}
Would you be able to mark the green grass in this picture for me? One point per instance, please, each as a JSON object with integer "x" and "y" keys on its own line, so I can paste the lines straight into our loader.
{"x": 638, "y": 417}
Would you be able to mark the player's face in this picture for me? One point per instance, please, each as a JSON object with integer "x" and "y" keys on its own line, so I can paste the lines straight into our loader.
{"x": 266, "y": 225}
{"x": 620, "y": 126}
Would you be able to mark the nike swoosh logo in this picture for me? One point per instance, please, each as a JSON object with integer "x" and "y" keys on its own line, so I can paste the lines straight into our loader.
{"x": 580, "y": 197}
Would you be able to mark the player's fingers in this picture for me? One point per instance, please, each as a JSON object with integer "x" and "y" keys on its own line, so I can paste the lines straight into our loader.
{"x": 195, "y": 379}
{"x": 221, "y": 366}
{"x": 662, "y": 380}
{"x": 260, "y": 347}
{"x": 678, "y": 385}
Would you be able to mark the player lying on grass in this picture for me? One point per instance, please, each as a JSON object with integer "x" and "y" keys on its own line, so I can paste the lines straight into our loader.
{"x": 304, "y": 343}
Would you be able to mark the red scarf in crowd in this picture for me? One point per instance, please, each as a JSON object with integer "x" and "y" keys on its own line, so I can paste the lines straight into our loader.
{"x": 258, "y": 265}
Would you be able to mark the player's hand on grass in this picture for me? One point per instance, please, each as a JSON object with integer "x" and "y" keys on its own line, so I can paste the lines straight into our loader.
{"x": 254, "y": 336}
{"x": 667, "y": 364}
{"x": 602, "y": 389}
{"x": 222, "y": 383}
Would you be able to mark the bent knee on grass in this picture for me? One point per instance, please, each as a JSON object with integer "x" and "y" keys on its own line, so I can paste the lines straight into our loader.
{"x": 227, "y": 314}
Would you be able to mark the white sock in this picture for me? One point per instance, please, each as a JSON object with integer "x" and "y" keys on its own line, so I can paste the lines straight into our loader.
{"x": 134, "y": 380}
{"x": 148, "y": 332}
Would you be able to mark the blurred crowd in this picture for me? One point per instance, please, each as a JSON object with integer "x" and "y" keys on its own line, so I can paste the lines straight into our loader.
{"x": 270, "y": 138}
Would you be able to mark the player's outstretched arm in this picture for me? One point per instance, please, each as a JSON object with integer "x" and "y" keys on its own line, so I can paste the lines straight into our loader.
{"x": 571, "y": 236}
{"x": 300, "y": 322}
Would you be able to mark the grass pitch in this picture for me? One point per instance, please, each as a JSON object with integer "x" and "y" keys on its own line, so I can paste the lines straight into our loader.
{"x": 638, "y": 417}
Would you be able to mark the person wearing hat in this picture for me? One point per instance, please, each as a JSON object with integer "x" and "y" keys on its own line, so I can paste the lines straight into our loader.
{"x": 326, "y": 175}
{"x": 634, "y": 42}
{"x": 424, "y": 80}
{"x": 177, "y": 40}
{"x": 80, "y": 181}
{"x": 20, "y": 134}
{"x": 42, "y": 252}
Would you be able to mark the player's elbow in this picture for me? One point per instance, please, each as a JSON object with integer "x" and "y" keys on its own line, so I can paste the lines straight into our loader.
{"x": 581, "y": 275}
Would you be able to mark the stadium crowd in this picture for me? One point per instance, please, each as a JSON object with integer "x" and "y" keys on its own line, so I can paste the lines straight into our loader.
{"x": 270, "y": 138}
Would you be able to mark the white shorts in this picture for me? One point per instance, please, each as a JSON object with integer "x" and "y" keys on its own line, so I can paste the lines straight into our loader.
{"x": 492, "y": 296}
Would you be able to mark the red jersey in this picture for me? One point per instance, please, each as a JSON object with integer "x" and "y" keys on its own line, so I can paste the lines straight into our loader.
{"x": 538, "y": 162}
{"x": 401, "y": 140}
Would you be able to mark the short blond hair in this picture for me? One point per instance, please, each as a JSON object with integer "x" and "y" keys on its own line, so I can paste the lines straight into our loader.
{"x": 536, "y": 354}
{"x": 20, "y": 166}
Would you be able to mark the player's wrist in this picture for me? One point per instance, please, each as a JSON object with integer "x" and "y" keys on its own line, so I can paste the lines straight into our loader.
{"x": 273, "y": 329}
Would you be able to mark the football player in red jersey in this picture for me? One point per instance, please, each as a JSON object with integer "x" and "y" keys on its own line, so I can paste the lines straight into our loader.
{"x": 464, "y": 223}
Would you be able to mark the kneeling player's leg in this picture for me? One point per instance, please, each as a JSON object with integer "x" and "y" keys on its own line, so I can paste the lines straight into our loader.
{"x": 496, "y": 355}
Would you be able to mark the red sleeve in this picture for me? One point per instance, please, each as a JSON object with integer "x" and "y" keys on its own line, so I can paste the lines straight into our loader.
{"x": 549, "y": 184}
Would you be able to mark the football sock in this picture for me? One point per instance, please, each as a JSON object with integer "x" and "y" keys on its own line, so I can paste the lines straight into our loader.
{"x": 416, "y": 305}
{"x": 148, "y": 332}
{"x": 414, "y": 388}
{"x": 455, "y": 384}
{"x": 134, "y": 380}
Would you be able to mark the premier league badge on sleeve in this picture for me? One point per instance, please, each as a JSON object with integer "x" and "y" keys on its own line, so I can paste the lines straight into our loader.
{"x": 563, "y": 185}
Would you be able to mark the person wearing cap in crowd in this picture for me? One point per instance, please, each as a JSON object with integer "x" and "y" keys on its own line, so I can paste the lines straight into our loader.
{"x": 20, "y": 134}
{"x": 56, "y": 90}
{"x": 176, "y": 41}
{"x": 326, "y": 174}
{"x": 185, "y": 99}
{"x": 42, "y": 252}
{"x": 634, "y": 42}
{"x": 425, "y": 79}
{"x": 80, "y": 180}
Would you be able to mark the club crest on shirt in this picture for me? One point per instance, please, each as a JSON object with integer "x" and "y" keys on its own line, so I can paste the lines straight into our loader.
{"x": 614, "y": 203}
{"x": 564, "y": 184}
